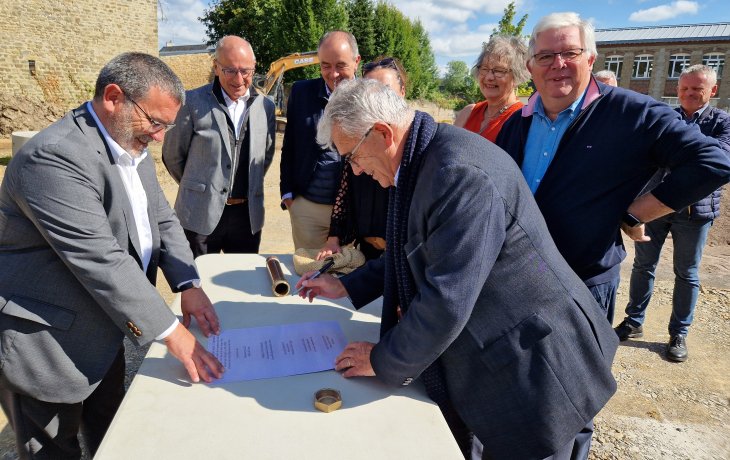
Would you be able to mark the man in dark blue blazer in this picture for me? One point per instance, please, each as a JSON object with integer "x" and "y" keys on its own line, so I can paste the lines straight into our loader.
{"x": 477, "y": 300}
{"x": 310, "y": 175}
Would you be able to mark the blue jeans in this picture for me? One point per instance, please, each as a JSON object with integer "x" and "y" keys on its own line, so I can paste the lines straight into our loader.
{"x": 689, "y": 238}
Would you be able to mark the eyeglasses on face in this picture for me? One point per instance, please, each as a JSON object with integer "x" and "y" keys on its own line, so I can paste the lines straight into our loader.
{"x": 546, "y": 59}
{"x": 154, "y": 124}
{"x": 350, "y": 156}
{"x": 231, "y": 73}
{"x": 496, "y": 72}
{"x": 388, "y": 62}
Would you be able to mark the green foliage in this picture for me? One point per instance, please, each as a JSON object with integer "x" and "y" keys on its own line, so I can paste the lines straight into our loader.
{"x": 276, "y": 28}
{"x": 505, "y": 26}
{"x": 246, "y": 18}
{"x": 361, "y": 16}
{"x": 460, "y": 85}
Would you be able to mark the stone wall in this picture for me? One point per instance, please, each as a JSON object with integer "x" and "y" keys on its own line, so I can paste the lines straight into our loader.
{"x": 193, "y": 69}
{"x": 67, "y": 42}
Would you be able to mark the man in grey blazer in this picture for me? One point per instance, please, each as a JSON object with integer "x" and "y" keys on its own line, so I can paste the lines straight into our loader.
{"x": 477, "y": 300}
{"x": 84, "y": 226}
{"x": 219, "y": 151}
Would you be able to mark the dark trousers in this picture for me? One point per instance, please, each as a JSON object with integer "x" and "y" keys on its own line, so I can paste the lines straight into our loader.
{"x": 45, "y": 430}
{"x": 605, "y": 295}
{"x": 232, "y": 235}
{"x": 575, "y": 449}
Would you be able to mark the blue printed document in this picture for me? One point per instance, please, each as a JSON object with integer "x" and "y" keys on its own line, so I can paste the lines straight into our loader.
{"x": 277, "y": 351}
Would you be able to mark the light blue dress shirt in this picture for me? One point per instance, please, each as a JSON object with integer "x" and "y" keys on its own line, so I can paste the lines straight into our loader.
{"x": 543, "y": 140}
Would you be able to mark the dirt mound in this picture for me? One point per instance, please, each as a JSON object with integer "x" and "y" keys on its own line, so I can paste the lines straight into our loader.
{"x": 21, "y": 113}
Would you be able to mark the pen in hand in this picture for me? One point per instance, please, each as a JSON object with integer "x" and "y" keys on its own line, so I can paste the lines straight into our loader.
{"x": 329, "y": 262}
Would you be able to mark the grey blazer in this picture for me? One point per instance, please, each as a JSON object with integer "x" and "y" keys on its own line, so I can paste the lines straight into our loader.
{"x": 197, "y": 153}
{"x": 526, "y": 350}
{"x": 71, "y": 283}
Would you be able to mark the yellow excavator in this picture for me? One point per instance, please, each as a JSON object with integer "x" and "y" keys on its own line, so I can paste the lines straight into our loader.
{"x": 271, "y": 85}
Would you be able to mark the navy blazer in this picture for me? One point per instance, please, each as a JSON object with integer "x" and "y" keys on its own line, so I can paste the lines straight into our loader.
{"x": 299, "y": 150}
{"x": 525, "y": 348}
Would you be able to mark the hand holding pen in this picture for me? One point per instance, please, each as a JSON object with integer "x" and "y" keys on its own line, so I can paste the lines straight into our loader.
{"x": 318, "y": 283}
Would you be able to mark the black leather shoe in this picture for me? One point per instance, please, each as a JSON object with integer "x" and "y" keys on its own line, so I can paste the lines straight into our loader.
{"x": 677, "y": 348}
{"x": 626, "y": 330}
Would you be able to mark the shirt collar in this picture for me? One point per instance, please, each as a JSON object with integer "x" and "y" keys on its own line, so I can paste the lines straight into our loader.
{"x": 230, "y": 102}
{"x": 120, "y": 155}
{"x": 694, "y": 116}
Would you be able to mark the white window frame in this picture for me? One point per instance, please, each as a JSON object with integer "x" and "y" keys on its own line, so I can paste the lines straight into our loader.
{"x": 716, "y": 61}
{"x": 614, "y": 63}
{"x": 648, "y": 60}
{"x": 677, "y": 63}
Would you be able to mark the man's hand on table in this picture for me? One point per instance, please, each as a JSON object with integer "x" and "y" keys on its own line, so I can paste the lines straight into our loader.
{"x": 325, "y": 285}
{"x": 199, "y": 363}
{"x": 355, "y": 360}
{"x": 194, "y": 302}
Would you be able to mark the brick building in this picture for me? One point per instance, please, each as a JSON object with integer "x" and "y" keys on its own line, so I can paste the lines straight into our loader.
{"x": 649, "y": 59}
{"x": 52, "y": 50}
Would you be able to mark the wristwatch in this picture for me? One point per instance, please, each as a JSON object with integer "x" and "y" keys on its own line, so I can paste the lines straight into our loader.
{"x": 189, "y": 285}
{"x": 631, "y": 220}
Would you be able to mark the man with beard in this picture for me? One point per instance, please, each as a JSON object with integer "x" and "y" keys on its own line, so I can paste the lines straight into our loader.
{"x": 84, "y": 226}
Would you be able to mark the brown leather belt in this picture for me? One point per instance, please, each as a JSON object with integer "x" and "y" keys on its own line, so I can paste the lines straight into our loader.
{"x": 232, "y": 201}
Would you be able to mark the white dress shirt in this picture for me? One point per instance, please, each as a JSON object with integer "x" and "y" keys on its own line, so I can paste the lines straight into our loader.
{"x": 237, "y": 109}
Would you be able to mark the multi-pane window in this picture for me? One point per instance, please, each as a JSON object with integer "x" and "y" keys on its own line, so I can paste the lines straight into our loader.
{"x": 642, "y": 66}
{"x": 615, "y": 63}
{"x": 677, "y": 63}
{"x": 716, "y": 61}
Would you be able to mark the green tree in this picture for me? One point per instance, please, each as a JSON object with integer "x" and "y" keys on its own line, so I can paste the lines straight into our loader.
{"x": 506, "y": 26}
{"x": 361, "y": 15}
{"x": 425, "y": 81}
{"x": 457, "y": 82}
{"x": 246, "y": 18}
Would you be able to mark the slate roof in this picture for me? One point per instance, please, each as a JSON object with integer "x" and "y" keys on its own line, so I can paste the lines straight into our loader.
{"x": 677, "y": 33}
{"x": 175, "y": 50}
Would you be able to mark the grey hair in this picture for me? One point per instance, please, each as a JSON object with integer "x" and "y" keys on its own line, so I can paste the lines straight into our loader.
{"x": 708, "y": 71}
{"x": 512, "y": 49}
{"x": 561, "y": 20}
{"x": 606, "y": 75}
{"x": 136, "y": 73}
{"x": 356, "y": 105}
{"x": 348, "y": 36}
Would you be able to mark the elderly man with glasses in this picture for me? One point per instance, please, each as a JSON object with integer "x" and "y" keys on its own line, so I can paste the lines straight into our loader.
{"x": 219, "y": 152}
{"x": 477, "y": 301}
{"x": 84, "y": 226}
{"x": 587, "y": 150}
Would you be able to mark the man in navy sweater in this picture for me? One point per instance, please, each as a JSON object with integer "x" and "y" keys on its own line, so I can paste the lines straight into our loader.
{"x": 587, "y": 150}
{"x": 688, "y": 226}
{"x": 310, "y": 175}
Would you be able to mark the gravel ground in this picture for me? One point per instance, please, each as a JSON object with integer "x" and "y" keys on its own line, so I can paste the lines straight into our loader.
{"x": 662, "y": 410}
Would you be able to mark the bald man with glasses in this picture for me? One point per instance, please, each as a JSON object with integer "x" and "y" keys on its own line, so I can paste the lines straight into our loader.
{"x": 219, "y": 151}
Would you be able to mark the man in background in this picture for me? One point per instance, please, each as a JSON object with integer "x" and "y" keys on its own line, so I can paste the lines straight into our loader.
{"x": 688, "y": 226}
{"x": 84, "y": 226}
{"x": 219, "y": 151}
{"x": 607, "y": 77}
{"x": 310, "y": 175}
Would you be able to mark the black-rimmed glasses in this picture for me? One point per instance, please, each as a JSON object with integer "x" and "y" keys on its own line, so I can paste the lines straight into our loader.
{"x": 156, "y": 125}
{"x": 350, "y": 156}
{"x": 546, "y": 59}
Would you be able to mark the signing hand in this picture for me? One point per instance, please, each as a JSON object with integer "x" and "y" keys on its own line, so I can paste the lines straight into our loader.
{"x": 325, "y": 285}
{"x": 194, "y": 302}
{"x": 199, "y": 363}
{"x": 332, "y": 246}
{"x": 355, "y": 360}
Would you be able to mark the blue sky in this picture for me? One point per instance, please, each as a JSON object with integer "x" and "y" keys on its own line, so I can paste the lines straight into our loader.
{"x": 457, "y": 28}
